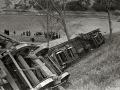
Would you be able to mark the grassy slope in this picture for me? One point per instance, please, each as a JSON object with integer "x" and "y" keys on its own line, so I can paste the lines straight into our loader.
{"x": 98, "y": 69}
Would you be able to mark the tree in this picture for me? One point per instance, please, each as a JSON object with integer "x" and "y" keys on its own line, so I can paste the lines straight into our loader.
{"x": 102, "y": 5}
{"x": 60, "y": 19}
{"x": 107, "y": 6}
{"x": 43, "y": 3}
{"x": 79, "y": 5}
{"x": 117, "y": 3}
{"x": 8, "y": 3}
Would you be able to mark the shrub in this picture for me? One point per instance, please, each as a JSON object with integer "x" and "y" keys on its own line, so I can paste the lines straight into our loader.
{"x": 101, "y": 5}
{"x": 76, "y": 6}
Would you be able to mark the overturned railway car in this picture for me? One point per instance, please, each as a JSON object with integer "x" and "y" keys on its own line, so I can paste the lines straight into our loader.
{"x": 21, "y": 72}
{"x": 65, "y": 53}
{"x": 29, "y": 73}
{"x": 33, "y": 67}
{"x": 24, "y": 70}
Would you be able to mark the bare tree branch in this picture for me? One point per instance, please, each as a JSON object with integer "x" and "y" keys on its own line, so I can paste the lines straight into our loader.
{"x": 47, "y": 11}
{"x": 61, "y": 19}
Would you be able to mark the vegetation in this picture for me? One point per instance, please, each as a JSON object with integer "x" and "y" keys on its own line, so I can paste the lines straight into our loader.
{"x": 76, "y": 6}
{"x": 79, "y": 5}
{"x": 107, "y": 6}
{"x": 117, "y": 3}
{"x": 101, "y": 5}
{"x": 43, "y": 3}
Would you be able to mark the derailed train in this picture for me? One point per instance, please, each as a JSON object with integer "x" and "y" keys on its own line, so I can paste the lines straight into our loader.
{"x": 26, "y": 71}
{"x": 66, "y": 53}
{"x": 30, "y": 67}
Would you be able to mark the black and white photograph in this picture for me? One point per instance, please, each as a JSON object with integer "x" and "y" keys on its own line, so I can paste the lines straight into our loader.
{"x": 59, "y": 44}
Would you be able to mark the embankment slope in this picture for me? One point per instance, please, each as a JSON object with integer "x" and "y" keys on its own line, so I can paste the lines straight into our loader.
{"x": 98, "y": 70}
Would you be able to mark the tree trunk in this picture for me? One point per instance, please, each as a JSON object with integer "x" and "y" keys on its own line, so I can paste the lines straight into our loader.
{"x": 61, "y": 19}
{"x": 47, "y": 26}
{"x": 66, "y": 30}
{"x": 63, "y": 15}
{"x": 110, "y": 24}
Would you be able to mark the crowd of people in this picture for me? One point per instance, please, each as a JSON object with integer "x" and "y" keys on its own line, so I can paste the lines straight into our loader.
{"x": 27, "y": 33}
{"x": 38, "y": 34}
{"x": 7, "y": 32}
{"x": 52, "y": 35}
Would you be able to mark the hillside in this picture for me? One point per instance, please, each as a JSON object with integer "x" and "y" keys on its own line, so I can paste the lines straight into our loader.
{"x": 99, "y": 69}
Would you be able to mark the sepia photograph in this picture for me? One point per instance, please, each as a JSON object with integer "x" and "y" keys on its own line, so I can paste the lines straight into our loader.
{"x": 59, "y": 44}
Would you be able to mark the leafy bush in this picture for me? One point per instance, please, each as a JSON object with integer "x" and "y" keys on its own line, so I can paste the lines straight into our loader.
{"x": 44, "y": 3}
{"x": 76, "y": 6}
{"x": 102, "y": 5}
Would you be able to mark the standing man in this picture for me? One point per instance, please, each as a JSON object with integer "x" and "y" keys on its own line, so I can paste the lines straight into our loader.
{"x": 14, "y": 32}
